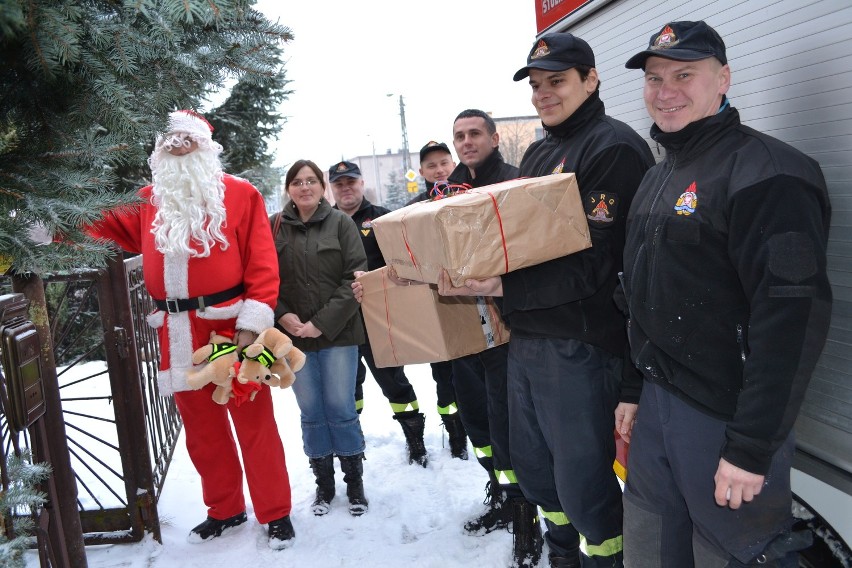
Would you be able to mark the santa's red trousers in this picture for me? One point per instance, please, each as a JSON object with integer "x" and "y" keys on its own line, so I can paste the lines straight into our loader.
{"x": 211, "y": 447}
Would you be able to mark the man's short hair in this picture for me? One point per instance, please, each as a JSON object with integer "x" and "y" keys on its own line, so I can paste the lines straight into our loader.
{"x": 476, "y": 113}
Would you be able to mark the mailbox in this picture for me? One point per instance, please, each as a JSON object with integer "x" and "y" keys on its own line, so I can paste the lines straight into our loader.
{"x": 22, "y": 392}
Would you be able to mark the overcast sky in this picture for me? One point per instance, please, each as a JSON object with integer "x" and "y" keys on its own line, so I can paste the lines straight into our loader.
{"x": 442, "y": 56}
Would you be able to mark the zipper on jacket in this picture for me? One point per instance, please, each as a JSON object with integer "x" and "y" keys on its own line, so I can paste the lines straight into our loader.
{"x": 741, "y": 342}
{"x": 583, "y": 315}
{"x": 652, "y": 255}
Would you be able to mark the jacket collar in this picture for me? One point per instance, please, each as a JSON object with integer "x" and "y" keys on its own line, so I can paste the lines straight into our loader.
{"x": 291, "y": 214}
{"x": 488, "y": 170}
{"x": 695, "y": 137}
{"x": 592, "y": 107}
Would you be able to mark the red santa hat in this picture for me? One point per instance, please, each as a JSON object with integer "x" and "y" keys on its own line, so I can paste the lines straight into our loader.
{"x": 190, "y": 122}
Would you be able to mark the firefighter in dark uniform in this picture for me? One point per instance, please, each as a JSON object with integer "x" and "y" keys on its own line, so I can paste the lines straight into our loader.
{"x": 729, "y": 303}
{"x": 436, "y": 165}
{"x": 568, "y": 339}
{"x": 481, "y": 378}
{"x": 347, "y": 186}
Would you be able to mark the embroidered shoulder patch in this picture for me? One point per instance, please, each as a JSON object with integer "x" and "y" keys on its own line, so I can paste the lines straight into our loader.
{"x": 687, "y": 203}
{"x": 601, "y": 208}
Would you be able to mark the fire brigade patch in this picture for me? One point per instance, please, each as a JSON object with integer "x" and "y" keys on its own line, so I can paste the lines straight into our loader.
{"x": 366, "y": 226}
{"x": 601, "y": 208}
{"x": 687, "y": 203}
{"x": 541, "y": 50}
{"x": 558, "y": 169}
{"x": 666, "y": 39}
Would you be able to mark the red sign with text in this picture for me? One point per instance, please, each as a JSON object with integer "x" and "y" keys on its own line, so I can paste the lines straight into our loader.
{"x": 548, "y": 12}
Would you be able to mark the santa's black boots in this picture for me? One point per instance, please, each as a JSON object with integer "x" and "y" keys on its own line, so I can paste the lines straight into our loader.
{"x": 211, "y": 528}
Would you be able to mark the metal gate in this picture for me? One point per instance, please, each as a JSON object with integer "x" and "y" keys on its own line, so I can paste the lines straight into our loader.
{"x": 119, "y": 434}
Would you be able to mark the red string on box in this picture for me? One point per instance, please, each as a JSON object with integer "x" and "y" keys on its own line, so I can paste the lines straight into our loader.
{"x": 502, "y": 235}
{"x": 407, "y": 247}
{"x": 387, "y": 316}
{"x": 442, "y": 190}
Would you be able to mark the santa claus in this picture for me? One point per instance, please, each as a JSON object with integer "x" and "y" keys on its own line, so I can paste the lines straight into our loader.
{"x": 210, "y": 264}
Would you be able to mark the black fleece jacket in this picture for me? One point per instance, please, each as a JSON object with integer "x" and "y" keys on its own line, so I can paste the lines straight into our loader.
{"x": 492, "y": 170}
{"x": 571, "y": 297}
{"x": 725, "y": 278}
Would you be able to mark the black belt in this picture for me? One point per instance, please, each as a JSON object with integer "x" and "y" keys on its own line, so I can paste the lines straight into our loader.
{"x": 175, "y": 305}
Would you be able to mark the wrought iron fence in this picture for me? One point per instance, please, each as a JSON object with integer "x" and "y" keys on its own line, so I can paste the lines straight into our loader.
{"x": 120, "y": 433}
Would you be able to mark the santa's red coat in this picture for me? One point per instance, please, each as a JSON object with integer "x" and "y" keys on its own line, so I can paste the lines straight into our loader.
{"x": 250, "y": 259}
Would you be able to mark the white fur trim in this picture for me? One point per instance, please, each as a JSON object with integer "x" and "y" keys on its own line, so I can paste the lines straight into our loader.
{"x": 221, "y": 313}
{"x": 172, "y": 381}
{"x": 156, "y": 319}
{"x": 255, "y": 316}
{"x": 179, "y": 328}
{"x": 184, "y": 121}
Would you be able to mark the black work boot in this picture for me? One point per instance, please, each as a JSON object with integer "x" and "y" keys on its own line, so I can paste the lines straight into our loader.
{"x": 496, "y": 516}
{"x": 457, "y": 434}
{"x": 211, "y": 528}
{"x": 353, "y": 472}
{"x": 323, "y": 469}
{"x": 527, "y": 541}
{"x": 413, "y": 423}
{"x": 564, "y": 561}
{"x": 281, "y": 533}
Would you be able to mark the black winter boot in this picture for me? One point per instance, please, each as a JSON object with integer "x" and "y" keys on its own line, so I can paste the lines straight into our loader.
{"x": 281, "y": 533}
{"x": 211, "y": 528}
{"x": 527, "y": 541}
{"x": 564, "y": 561}
{"x": 457, "y": 434}
{"x": 498, "y": 515}
{"x": 353, "y": 472}
{"x": 413, "y": 423}
{"x": 324, "y": 472}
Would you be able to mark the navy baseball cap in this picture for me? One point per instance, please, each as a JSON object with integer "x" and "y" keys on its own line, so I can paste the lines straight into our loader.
{"x": 432, "y": 146}
{"x": 557, "y": 52}
{"x": 682, "y": 41}
{"x": 343, "y": 169}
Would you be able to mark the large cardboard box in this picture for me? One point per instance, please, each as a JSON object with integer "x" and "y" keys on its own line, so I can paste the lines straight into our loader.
{"x": 410, "y": 324}
{"x": 487, "y": 231}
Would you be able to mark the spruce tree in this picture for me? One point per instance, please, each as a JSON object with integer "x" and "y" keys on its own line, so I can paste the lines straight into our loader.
{"x": 84, "y": 86}
{"x": 244, "y": 123}
{"x": 19, "y": 500}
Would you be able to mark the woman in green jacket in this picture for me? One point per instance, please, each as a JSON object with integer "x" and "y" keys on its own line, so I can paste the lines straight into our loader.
{"x": 319, "y": 250}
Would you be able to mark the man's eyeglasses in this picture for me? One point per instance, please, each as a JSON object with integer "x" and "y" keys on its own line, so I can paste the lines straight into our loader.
{"x": 308, "y": 182}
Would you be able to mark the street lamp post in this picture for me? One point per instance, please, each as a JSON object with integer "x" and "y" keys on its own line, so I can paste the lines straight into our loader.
{"x": 406, "y": 155}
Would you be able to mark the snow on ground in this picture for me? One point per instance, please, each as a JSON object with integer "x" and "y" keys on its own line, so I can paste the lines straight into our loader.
{"x": 415, "y": 518}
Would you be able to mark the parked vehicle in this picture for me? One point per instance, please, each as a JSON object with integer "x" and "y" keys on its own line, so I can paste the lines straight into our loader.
{"x": 791, "y": 63}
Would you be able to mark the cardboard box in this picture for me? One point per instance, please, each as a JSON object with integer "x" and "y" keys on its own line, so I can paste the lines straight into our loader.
{"x": 413, "y": 324}
{"x": 487, "y": 231}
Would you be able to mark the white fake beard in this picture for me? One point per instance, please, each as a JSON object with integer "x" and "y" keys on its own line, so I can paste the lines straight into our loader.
{"x": 189, "y": 195}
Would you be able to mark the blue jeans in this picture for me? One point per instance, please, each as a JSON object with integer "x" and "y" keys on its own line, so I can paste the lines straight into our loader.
{"x": 325, "y": 392}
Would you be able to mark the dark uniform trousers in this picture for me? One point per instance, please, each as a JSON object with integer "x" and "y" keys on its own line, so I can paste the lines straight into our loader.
{"x": 562, "y": 397}
{"x": 392, "y": 380}
{"x": 480, "y": 381}
{"x": 442, "y": 372}
{"x": 670, "y": 516}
